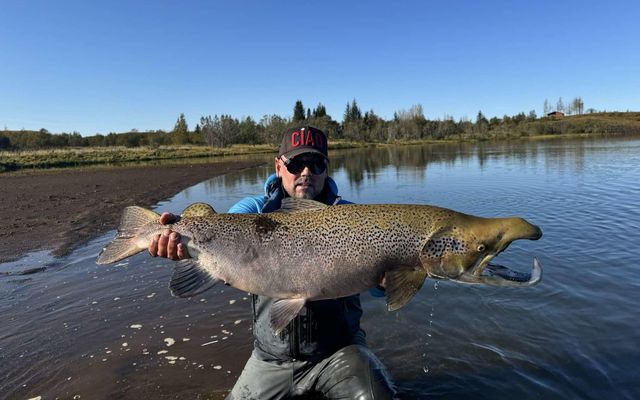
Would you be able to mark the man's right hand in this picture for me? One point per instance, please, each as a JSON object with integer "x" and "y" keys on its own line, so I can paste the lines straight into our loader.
{"x": 168, "y": 244}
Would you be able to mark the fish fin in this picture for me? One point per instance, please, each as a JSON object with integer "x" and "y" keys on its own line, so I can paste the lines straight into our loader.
{"x": 190, "y": 279}
{"x": 402, "y": 284}
{"x": 198, "y": 210}
{"x": 293, "y": 204}
{"x": 124, "y": 245}
{"x": 283, "y": 311}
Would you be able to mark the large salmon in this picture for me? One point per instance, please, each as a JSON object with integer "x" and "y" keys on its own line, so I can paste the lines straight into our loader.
{"x": 309, "y": 251}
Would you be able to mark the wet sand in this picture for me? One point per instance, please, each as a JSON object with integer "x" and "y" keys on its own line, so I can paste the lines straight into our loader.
{"x": 60, "y": 210}
{"x": 78, "y": 330}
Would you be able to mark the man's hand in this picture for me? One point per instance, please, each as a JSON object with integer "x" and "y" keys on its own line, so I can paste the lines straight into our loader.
{"x": 383, "y": 281}
{"x": 168, "y": 243}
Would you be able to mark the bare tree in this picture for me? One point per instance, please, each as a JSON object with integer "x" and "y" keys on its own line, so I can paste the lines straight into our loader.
{"x": 219, "y": 131}
{"x": 578, "y": 105}
{"x": 560, "y": 105}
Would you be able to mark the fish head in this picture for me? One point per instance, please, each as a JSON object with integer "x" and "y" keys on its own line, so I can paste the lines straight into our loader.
{"x": 462, "y": 251}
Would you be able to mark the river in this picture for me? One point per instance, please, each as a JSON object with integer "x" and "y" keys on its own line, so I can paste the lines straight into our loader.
{"x": 84, "y": 331}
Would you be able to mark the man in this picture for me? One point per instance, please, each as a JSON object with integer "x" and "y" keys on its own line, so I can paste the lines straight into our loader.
{"x": 323, "y": 350}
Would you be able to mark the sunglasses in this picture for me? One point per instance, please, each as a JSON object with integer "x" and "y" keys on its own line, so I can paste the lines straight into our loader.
{"x": 296, "y": 165}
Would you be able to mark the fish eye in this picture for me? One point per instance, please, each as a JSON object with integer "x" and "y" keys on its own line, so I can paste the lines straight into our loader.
{"x": 481, "y": 248}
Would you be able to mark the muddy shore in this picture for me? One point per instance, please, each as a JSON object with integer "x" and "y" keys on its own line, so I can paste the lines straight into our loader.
{"x": 60, "y": 210}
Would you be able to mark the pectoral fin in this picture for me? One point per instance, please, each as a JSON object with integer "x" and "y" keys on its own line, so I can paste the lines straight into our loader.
{"x": 189, "y": 279}
{"x": 402, "y": 284}
{"x": 283, "y": 311}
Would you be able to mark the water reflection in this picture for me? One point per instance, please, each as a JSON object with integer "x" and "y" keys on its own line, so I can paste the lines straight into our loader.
{"x": 438, "y": 173}
{"x": 367, "y": 165}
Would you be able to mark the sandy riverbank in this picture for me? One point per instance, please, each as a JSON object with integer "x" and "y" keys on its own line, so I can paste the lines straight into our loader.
{"x": 59, "y": 210}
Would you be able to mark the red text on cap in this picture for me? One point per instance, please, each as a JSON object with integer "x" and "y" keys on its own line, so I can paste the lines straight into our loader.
{"x": 305, "y": 138}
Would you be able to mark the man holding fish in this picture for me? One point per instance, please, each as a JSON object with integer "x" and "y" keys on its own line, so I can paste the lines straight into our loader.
{"x": 323, "y": 349}
{"x": 305, "y": 254}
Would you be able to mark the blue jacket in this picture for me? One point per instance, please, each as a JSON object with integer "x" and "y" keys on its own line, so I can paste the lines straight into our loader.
{"x": 322, "y": 327}
{"x": 274, "y": 193}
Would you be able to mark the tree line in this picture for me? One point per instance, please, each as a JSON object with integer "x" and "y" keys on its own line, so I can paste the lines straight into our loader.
{"x": 356, "y": 125}
{"x": 576, "y": 106}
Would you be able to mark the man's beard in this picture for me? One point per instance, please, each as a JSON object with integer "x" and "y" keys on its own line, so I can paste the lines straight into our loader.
{"x": 310, "y": 194}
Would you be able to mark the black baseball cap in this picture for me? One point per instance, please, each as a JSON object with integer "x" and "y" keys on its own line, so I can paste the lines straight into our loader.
{"x": 302, "y": 140}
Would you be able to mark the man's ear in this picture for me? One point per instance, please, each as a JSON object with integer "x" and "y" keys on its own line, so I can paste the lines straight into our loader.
{"x": 277, "y": 167}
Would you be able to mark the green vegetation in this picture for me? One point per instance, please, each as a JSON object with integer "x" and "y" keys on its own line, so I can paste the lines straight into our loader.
{"x": 224, "y": 134}
{"x": 88, "y": 156}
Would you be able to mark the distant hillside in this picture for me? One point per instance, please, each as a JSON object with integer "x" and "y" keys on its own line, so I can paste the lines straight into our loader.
{"x": 607, "y": 123}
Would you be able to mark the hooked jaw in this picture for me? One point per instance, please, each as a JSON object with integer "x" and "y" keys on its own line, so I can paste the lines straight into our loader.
{"x": 499, "y": 275}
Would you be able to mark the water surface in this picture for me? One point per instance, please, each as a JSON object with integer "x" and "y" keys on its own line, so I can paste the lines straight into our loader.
{"x": 78, "y": 329}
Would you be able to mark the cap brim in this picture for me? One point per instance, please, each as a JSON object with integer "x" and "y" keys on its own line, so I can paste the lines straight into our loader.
{"x": 297, "y": 152}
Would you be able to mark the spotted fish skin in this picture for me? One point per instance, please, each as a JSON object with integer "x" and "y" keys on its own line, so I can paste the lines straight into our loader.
{"x": 339, "y": 250}
{"x": 310, "y": 251}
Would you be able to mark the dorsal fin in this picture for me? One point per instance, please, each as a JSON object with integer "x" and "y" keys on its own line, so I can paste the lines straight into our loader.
{"x": 198, "y": 210}
{"x": 292, "y": 204}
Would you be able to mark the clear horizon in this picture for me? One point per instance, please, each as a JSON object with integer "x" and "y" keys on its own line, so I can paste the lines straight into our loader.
{"x": 112, "y": 67}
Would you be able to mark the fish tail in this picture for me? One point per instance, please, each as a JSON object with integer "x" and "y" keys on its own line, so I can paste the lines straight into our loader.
{"x": 127, "y": 241}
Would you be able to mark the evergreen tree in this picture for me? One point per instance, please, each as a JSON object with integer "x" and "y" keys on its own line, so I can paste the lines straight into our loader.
{"x": 347, "y": 114}
{"x": 247, "y": 131}
{"x": 320, "y": 111}
{"x": 352, "y": 113}
{"x": 196, "y": 137}
{"x": 356, "y": 114}
{"x": 298, "y": 112}
{"x": 180, "y": 133}
{"x": 481, "y": 123}
{"x": 481, "y": 119}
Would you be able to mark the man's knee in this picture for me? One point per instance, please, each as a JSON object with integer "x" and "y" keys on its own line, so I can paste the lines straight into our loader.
{"x": 355, "y": 372}
{"x": 262, "y": 380}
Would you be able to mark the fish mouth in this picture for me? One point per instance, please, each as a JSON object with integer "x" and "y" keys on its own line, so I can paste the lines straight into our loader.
{"x": 499, "y": 275}
{"x": 484, "y": 272}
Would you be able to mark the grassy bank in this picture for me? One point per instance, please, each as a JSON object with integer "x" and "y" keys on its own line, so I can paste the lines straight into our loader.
{"x": 89, "y": 156}
{"x": 120, "y": 155}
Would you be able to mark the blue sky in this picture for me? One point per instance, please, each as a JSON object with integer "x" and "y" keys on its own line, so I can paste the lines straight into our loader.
{"x": 110, "y": 66}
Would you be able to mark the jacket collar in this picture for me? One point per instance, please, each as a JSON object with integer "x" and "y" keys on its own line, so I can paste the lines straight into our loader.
{"x": 274, "y": 193}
